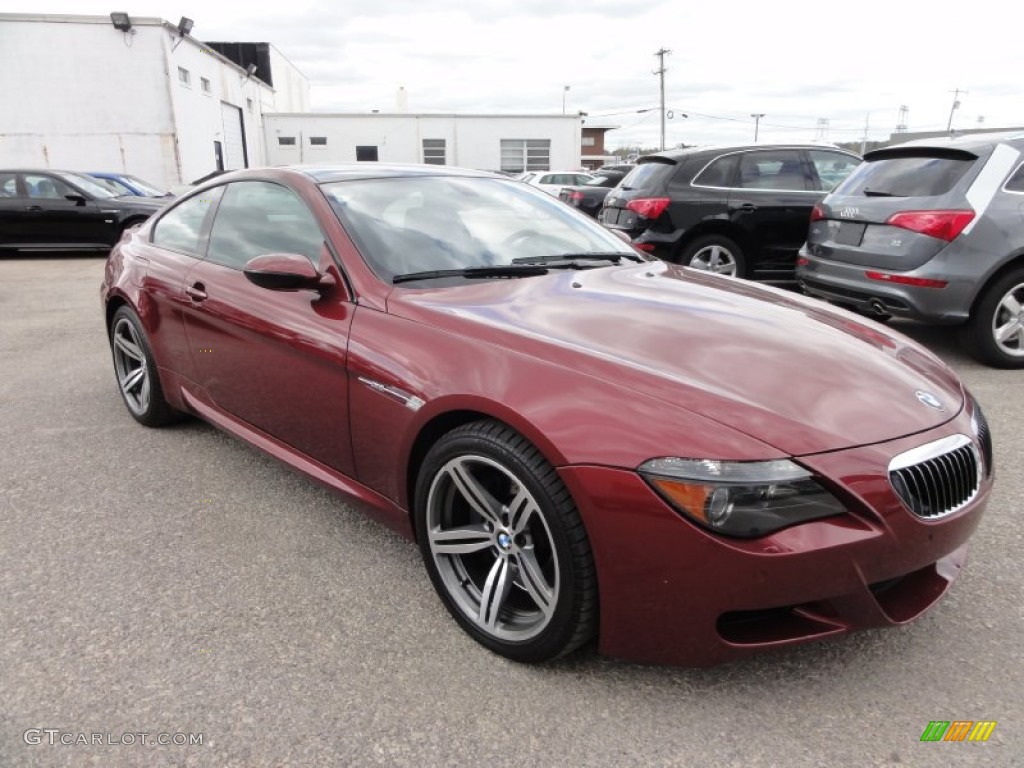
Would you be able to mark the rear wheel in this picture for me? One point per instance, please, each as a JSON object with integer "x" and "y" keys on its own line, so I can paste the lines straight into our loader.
{"x": 995, "y": 332}
{"x": 714, "y": 253}
{"x": 504, "y": 545}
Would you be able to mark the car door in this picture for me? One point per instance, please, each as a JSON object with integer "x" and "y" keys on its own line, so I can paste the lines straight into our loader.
{"x": 13, "y": 215}
{"x": 771, "y": 203}
{"x": 53, "y": 219}
{"x": 273, "y": 359}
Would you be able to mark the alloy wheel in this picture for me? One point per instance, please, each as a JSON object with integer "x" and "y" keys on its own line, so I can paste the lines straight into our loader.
{"x": 1008, "y": 322}
{"x": 714, "y": 258}
{"x": 130, "y": 366}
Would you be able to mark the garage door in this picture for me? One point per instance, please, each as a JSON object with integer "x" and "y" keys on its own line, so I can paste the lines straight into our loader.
{"x": 234, "y": 139}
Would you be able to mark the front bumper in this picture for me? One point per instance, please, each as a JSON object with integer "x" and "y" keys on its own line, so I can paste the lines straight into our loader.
{"x": 848, "y": 284}
{"x": 673, "y": 593}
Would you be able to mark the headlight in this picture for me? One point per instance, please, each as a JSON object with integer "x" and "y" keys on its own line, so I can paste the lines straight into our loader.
{"x": 980, "y": 426}
{"x": 741, "y": 498}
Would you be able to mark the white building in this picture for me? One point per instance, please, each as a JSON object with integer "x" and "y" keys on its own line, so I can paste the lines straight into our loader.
{"x": 141, "y": 98}
{"x": 487, "y": 142}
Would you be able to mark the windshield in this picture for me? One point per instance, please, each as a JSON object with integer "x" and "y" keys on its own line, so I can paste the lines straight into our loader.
{"x": 415, "y": 224}
{"x": 86, "y": 184}
{"x": 148, "y": 189}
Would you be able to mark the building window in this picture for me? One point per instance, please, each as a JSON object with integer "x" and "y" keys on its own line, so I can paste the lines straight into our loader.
{"x": 248, "y": 104}
{"x": 318, "y": 141}
{"x": 286, "y": 141}
{"x": 205, "y": 85}
{"x": 366, "y": 154}
{"x": 588, "y": 141}
{"x": 434, "y": 151}
{"x": 518, "y": 155}
{"x": 184, "y": 76}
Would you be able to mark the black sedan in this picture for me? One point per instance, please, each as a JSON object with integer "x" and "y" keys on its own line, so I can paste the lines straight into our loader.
{"x": 590, "y": 196}
{"x": 62, "y": 211}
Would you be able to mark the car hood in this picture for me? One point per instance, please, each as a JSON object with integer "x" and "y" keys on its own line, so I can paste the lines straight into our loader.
{"x": 787, "y": 370}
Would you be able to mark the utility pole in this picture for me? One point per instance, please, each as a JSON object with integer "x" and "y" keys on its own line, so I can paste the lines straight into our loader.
{"x": 564, "y": 91}
{"x": 864, "y": 138}
{"x": 952, "y": 109}
{"x": 757, "y": 122}
{"x": 901, "y": 126}
{"x": 822, "y": 133}
{"x": 660, "y": 72}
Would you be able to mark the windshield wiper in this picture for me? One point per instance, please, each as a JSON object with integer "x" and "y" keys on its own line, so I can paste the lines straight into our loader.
{"x": 498, "y": 270}
{"x": 558, "y": 259}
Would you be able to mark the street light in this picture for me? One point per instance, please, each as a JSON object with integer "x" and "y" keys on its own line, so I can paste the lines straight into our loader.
{"x": 757, "y": 122}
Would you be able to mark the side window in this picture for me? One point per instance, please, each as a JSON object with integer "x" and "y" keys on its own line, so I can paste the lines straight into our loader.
{"x": 46, "y": 187}
{"x": 831, "y": 167}
{"x": 772, "y": 169}
{"x": 258, "y": 217}
{"x": 181, "y": 227}
{"x": 1016, "y": 181}
{"x": 8, "y": 185}
{"x": 719, "y": 173}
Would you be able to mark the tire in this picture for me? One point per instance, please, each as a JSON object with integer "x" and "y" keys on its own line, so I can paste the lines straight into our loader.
{"x": 504, "y": 545}
{"x": 995, "y": 332}
{"x": 136, "y": 371}
{"x": 714, "y": 253}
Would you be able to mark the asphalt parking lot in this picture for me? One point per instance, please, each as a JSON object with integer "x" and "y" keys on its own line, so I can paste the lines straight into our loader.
{"x": 179, "y": 582}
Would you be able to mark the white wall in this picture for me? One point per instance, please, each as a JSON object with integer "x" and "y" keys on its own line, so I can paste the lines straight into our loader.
{"x": 471, "y": 141}
{"x": 291, "y": 88}
{"x": 84, "y": 96}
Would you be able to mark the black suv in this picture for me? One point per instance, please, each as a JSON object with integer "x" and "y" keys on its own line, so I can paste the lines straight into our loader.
{"x": 739, "y": 210}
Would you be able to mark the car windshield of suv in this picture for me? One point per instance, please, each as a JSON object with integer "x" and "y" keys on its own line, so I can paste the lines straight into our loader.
{"x": 90, "y": 186}
{"x": 918, "y": 175}
{"x": 147, "y": 188}
{"x": 408, "y": 225}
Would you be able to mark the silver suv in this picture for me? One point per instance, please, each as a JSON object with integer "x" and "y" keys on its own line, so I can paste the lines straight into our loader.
{"x": 932, "y": 230}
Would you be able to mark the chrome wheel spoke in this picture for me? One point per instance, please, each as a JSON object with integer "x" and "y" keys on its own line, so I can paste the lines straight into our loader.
{"x": 521, "y": 509}
{"x": 1005, "y": 333}
{"x": 460, "y": 541}
{"x": 533, "y": 580}
{"x": 494, "y": 593}
{"x": 1010, "y": 304}
{"x": 132, "y": 379}
{"x": 478, "y": 497}
{"x": 128, "y": 347}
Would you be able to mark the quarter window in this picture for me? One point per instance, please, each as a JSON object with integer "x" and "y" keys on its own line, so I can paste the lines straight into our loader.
{"x": 8, "y": 185}
{"x": 831, "y": 167}
{"x": 772, "y": 169}
{"x": 1016, "y": 182}
{"x": 518, "y": 155}
{"x": 181, "y": 227}
{"x": 257, "y": 217}
{"x": 719, "y": 173}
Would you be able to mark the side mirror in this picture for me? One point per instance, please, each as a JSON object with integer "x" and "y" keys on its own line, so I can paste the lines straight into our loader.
{"x": 77, "y": 199}
{"x": 282, "y": 272}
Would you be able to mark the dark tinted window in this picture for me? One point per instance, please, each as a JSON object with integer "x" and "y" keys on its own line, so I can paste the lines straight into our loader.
{"x": 648, "y": 175}
{"x": 719, "y": 174}
{"x": 772, "y": 169}
{"x": 179, "y": 228}
{"x": 366, "y": 154}
{"x": 914, "y": 176}
{"x": 1016, "y": 182}
{"x": 257, "y": 217}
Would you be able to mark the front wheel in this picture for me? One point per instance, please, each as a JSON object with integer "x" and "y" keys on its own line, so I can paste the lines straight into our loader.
{"x": 136, "y": 371}
{"x": 504, "y": 545}
{"x": 995, "y": 332}
{"x": 714, "y": 253}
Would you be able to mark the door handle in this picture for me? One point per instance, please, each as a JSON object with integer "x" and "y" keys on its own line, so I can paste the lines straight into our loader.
{"x": 196, "y": 292}
{"x": 747, "y": 208}
{"x": 34, "y": 208}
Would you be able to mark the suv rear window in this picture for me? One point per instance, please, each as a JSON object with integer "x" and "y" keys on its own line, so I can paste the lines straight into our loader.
{"x": 647, "y": 175}
{"x": 917, "y": 175}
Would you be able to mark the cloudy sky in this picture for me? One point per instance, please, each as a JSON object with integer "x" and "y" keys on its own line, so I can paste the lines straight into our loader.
{"x": 797, "y": 62}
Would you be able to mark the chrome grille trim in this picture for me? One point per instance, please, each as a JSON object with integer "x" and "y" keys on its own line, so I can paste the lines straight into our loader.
{"x": 939, "y": 478}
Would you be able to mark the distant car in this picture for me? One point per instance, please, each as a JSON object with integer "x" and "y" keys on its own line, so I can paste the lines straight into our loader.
{"x": 58, "y": 210}
{"x": 125, "y": 184}
{"x": 553, "y": 181}
{"x": 589, "y": 197}
{"x": 931, "y": 230}
{"x": 741, "y": 211}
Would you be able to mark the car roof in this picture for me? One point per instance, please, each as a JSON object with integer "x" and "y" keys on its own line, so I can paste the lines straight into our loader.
{"x": 675, "y": 155}
{"x": 965, "y": 141}
{"x": 327, "y": 173}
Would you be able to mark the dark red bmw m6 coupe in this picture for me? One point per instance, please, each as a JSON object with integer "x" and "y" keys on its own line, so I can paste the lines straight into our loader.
{"x": 587, "y": 445}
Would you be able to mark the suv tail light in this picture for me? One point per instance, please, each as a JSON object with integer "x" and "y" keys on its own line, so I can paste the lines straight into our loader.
{"x": 575, "y": 195}
{"x": 945, "y": 225}
{"x": 817, "y": 212}
{"x": 648, "y": 207}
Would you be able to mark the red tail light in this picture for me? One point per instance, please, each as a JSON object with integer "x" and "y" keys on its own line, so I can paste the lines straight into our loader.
{"x": 648, "y": 207}
{"x": 645, "y": 247}
{"x": 917, "y": 282}
{"x": 945, "y": 225}
{"x": 576, "y": 195}
{"x": 817, "y": 212}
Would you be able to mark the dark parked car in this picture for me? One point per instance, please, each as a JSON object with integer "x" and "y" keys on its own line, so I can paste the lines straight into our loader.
{"x": 59, "y": 210}
{"x": 589, "y": 197}
{"x": 931, "y": 230}
{"x": 126, "y": 184}
{"x": 739, "y": 211}
{"x": 586, "y": 444}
